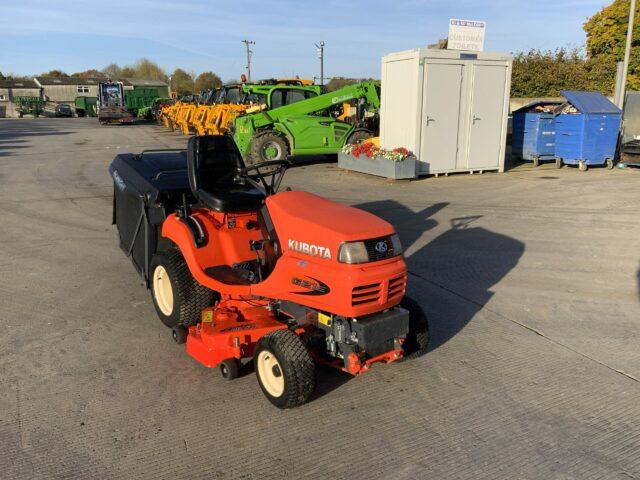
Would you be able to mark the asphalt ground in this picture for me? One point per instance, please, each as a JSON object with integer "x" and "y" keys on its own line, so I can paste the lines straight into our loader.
{"x": 529, "y": 279}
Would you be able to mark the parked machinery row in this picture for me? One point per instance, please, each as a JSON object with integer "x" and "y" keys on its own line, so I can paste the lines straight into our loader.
{"x": 273, "y": 119}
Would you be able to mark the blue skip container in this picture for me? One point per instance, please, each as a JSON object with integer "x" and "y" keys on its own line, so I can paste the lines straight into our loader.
{"x": 533, "y": 134}
{"x": 587, "y": 134}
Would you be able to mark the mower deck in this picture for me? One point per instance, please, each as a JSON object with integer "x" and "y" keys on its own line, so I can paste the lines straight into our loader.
{"x": 227, "y": 332}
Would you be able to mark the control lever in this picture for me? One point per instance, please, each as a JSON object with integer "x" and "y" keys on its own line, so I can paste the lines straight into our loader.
{"x": 258, "y": 246}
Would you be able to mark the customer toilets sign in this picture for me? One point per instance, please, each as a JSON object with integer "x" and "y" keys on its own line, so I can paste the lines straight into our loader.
{"x": 466, "y": 35}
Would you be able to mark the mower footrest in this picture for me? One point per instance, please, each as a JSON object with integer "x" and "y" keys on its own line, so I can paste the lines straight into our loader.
{"x": 227, "y": 275}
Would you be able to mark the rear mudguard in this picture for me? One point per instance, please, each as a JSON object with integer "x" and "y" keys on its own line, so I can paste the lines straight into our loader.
{"x": 179, "y": 233}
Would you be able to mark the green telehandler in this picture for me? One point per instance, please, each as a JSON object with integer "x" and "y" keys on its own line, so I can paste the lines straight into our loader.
{"x": 308, "y": 127}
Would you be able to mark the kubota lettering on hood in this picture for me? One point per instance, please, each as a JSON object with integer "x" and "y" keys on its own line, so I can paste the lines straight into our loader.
{"x": 309, "y": 249}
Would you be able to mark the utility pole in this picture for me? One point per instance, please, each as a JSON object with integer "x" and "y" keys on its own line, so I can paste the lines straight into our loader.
{"x": 321, "y": 57}
{"x": 248, "y": 44}
{"x": 627, "y": 52}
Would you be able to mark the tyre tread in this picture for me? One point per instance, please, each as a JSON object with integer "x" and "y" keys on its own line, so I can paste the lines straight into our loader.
{"x": 296, "y": 361}
{"x": 191, "y": 297}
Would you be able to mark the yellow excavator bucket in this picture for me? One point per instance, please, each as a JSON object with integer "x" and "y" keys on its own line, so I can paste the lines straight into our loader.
{"x": 183, "y": 120}
{"x": 169, "y": 113}
{"x": 199, "y": 118}
{"x": 221, "y": 117}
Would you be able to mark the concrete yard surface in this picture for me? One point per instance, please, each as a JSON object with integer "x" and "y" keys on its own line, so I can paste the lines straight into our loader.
{"x": 529, "y": 279}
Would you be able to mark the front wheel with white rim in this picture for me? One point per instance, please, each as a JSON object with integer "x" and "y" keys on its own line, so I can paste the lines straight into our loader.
{"x": 177, "y": 297}
{"x": 285, "y": 370}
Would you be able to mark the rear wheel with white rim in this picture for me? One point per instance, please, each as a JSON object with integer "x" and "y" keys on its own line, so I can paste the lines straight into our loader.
{"x": 285, "y": 370}
{"x": 177, "y": 297}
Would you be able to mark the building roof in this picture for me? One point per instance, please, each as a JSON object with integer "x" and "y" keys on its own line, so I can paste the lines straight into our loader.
{"x": 136, "y": 82}
{"x": 52, "y": 81}
{"x": 18, "y": 83}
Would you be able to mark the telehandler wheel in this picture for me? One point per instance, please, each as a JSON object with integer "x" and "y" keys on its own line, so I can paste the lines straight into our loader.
{"x": 177, "y": 297}
{"x": 417, "y": 341}
{"x": 285, "y": 370}
{"x": 267, "y": 147}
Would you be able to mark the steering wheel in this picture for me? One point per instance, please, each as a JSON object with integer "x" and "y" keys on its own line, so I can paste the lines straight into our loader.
{"x": 277, "y": 169}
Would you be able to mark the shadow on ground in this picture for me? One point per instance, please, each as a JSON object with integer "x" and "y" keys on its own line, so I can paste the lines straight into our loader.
{"x": 464, "y": 262}
{"x": 460, "y": 266}
{"x": 13, "y": 133}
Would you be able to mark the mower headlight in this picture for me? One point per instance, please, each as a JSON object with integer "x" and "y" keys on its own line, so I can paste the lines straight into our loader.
{"x": 353, "y": 252}
{"x": 397, "y": 245}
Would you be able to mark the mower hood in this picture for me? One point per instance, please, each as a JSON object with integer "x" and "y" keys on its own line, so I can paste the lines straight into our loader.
{"x": 308, "y": 224}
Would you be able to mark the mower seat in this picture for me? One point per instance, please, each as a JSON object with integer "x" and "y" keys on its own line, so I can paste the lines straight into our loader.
{"x": 213, "y": 164}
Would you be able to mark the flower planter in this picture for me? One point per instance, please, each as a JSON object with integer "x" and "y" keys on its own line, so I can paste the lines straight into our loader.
{"x": 380, "y": 166}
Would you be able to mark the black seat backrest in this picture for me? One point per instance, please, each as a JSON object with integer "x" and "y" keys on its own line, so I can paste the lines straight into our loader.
{"x": 213, "y": 161}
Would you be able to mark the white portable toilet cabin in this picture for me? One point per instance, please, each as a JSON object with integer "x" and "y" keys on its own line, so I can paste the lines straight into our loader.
{"x": 449, "y": 107}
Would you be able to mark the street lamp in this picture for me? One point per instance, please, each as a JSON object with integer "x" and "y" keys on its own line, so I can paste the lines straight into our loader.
{"x": 627, "y": 52}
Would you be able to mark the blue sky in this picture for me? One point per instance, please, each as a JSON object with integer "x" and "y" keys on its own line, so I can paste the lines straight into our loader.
{"x": 198, "y": 35}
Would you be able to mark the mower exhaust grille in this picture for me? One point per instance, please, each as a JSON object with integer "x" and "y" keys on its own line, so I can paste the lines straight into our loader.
{"x": 372, "y": 293}
{"x": 366, "y": 294}
{"x": 396, "y": 287}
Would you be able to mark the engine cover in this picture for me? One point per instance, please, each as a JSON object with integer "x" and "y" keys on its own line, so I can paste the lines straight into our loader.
{"x": 312, "y": 226}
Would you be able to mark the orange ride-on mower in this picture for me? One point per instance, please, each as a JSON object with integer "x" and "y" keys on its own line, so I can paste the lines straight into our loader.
{"x": 239, "y": 270}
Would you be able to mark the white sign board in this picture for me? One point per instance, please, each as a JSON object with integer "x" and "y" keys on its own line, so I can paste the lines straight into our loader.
{"x": 466, "y": 35}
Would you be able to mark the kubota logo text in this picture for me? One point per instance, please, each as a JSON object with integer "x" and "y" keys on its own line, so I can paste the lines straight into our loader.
{"x": 309, "y": 249}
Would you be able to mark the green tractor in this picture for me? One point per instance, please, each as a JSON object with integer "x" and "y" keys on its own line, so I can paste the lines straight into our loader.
{"x": 310, "y": 126}
{"x": 86, "y": 106}
{"x": 139, "y": 98}
{"x": 29, "y": 106}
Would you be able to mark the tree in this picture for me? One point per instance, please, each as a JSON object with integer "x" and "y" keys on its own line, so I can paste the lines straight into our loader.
{"x": 544, "y": 73}
{"x": 91, "y": 73}
{"x": 127, "y": 72}
{"x": 606, "y": 37}
{"x": 339, "y": 82}
{"x": 112, "y": 71}
{"x": 207, "y": 81}
{"x": 145, "y": 69}
{"x": 55, "y": 73}
{"x": 181, "y": 82}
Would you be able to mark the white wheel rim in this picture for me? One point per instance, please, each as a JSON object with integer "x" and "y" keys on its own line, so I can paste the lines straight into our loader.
{"x": 162, "y": 290}
{"x": 267, "y": 363}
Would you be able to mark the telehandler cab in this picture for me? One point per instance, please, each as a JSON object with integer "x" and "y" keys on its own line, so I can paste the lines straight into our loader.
{"x": 239, "y": 270}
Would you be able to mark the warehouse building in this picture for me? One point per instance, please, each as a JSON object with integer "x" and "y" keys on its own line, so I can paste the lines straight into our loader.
{"x": 65, "y": 89}
{"x": 11, "y": 89}
{"x": 135, "y": 84}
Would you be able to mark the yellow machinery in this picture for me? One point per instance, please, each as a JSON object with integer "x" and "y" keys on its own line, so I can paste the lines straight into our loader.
{"x": 295, "y": 81}
{"x": 220, "y": 107}
{"x": 169, "y": 114}
{"x": 200, "y": 118}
